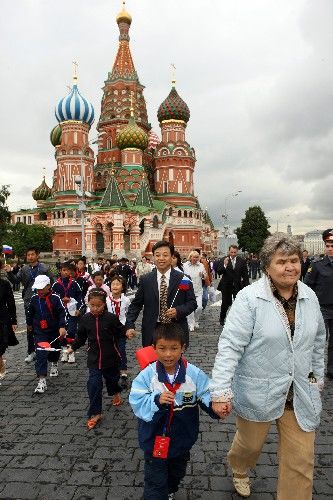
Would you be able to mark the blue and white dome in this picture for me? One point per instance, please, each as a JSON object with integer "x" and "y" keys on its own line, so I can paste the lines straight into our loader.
{"x": 74, "y": 107}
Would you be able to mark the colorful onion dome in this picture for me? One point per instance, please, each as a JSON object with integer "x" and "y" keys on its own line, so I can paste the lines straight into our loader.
{"x": 153, "y": 140}
{"x": 74, "y": 107}
{"x": 41, "y": 192}
{"x": 132, "y": 136}
{"x": 124, "y": 16}
{"x": 173, "y": 108}
{"x": 55, "y": 136}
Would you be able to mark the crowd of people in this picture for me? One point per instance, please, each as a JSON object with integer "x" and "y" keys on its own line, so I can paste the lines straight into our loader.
{"x": 270, "y": 356}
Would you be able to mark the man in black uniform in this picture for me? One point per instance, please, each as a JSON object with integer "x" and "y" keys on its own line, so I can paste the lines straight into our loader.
{"x": 320, "y": 278}
{"x": 234, "y": 277}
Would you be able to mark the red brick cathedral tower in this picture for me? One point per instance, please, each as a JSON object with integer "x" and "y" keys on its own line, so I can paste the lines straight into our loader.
{"x": 174, "y": 157}
{"x": 121, "y": 91}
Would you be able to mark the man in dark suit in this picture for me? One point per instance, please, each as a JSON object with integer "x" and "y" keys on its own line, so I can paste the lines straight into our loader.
{"x": 234, "y": 277}
{"x": 161, "y": 297}
{"x": 305, "y": 264}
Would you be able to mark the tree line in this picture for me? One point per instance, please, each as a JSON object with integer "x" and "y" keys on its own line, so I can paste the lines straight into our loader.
{"x": 21, "y": 236}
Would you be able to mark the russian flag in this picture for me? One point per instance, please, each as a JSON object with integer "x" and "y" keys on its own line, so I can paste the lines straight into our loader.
{"x": 7, "y": 249}
{"x": 185, "y": 283}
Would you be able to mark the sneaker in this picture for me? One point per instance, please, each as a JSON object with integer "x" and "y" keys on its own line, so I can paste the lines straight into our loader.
{"x": 41, "y": 386}
{"x": 71, "y": 357}
{"x": 3, "y": 369}
{"x": 30, "y": 358}
{"x": 191, "y": 328}
{"x": 124, "y": 381}
{"x": 196, "y": 325}
{"x": 171, "y": 496}
{"x": 64, "y": 356}
{"x": 54, "y": 370}
{"x": 242, "y": 485}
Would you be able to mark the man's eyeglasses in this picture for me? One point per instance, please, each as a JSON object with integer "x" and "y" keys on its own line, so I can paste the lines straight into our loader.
{"x": 327, "y": 245}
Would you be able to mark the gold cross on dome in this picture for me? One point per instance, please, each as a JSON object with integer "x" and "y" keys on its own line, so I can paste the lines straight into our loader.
{"x": 75, "y": 66}
{"x": 173, "y": 71}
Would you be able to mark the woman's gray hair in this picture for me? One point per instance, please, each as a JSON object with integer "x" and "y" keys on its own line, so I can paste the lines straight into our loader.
{"x": 278, "y": 242}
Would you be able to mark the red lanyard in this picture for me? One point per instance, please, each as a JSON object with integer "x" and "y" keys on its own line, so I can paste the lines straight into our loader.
{"x": 172, "y": 388}
{"x": 116, "y": 306}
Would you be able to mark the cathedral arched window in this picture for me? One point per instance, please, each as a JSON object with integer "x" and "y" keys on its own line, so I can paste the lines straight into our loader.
{"x": 190, "y": 214}
{"x": 170, "y": 211}
{"x": 155, "y": 222}
{"x": 179, "y": 213}
{"x": 185, "y": 213}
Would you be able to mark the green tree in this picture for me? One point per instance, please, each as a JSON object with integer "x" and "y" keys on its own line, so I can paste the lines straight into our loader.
{"x": 253, "y": 230}
{"x": 4, "y": 212}
{"x": 21, "y": 236}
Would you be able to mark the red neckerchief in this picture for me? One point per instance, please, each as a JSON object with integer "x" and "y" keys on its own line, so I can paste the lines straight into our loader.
{"x": 117, "y": 305}
{"x": 47, "y": 301}
{"x": 66, "y": 288}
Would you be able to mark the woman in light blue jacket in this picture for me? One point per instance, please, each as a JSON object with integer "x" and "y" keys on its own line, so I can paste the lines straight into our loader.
{"x": 270, "y": 366}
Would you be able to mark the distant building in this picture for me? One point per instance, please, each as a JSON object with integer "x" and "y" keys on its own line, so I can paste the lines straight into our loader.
{"x": 313, "y": 242}
{"x": 23, "y": 216}
{"x": 224, "y": 242}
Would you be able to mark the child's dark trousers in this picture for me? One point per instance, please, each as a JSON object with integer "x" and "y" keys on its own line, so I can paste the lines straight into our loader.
{"x": 162, "y": 476}
{"x": 95, "y": 387}
{"x": 42, "y": 357}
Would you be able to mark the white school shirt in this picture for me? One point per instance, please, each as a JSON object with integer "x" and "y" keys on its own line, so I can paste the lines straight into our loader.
{"x": 124, "y": 305}
{"x": 167, "y": 280}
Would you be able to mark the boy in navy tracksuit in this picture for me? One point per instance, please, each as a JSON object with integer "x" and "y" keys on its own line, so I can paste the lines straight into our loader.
{"x": 46, "y": 318}
{"x": 165, "y": 397}
{"x": 67, "y": 288}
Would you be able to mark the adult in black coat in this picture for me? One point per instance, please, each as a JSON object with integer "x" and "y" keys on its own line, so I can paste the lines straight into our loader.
{"x": 8, "y": 322}
{"x": 235, "y": 276}
{"x": 305, "y": 263}
{"x": 180, "y": 302}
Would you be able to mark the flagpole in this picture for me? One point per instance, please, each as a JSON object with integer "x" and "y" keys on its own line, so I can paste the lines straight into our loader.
{"x": 4, "y": 257}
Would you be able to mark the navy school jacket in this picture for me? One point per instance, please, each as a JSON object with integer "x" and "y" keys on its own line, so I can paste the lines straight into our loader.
{"x": 38, "y": 310}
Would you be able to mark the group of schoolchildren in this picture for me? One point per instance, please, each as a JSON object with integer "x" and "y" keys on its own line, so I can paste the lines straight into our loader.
{"x": 165, "y": 396}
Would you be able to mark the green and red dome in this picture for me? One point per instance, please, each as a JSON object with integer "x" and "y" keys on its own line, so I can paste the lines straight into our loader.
{"x": 173, "y": 108}
{"x": 55, "y": 136}
{"x": 42, "y": 192}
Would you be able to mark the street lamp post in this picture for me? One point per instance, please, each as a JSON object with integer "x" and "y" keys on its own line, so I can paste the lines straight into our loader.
{"x": 225, "y": 217}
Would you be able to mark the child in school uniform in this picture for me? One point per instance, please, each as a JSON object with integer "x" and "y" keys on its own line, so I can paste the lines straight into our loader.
{"x": 118, "y": 304}
{"x": 102, "y": 329}
{"x": 165, "y": 397}
{"x": 98, "y": 279}
{"x": 46, "y": 318}
{"x": 70, "y": 293}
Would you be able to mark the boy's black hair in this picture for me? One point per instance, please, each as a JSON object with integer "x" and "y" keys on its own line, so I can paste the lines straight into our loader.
{"x": 169, "y": 331}
{"x": 97, "y": 273}
{"x": 83, "y": 258}
{"x": 119, "y": 278}
{"x": 161, "y": 244}
{"x": 97, "y": 293}
{"x": 32, "y": 249}
{"x": 67, "y": 265}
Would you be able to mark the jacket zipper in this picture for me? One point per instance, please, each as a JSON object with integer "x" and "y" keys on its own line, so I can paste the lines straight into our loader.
{"x": 99, "y": 345}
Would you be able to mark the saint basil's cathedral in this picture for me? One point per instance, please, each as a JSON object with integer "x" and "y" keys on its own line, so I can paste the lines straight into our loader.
{"x": 139, "y": 189}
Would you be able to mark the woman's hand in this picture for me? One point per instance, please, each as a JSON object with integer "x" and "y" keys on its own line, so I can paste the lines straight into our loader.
{"x": 69, "y": 350}
{"x": 171, "y": 313}
{"x": 14, "y": 327}
{"x": 222, "y": 409}
{"x": 62, "y": 332}
{"x": 130, "y": 334}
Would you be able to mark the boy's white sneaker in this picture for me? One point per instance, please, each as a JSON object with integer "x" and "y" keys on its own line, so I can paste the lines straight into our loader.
{"x": 171, "y": 496}
{"x": 41, "y": 386}
{"x": 30, "y": 358}
{"x": 64, "y": 356}
{"x": 54, "y": 370}
{"x": 71, "y": 358}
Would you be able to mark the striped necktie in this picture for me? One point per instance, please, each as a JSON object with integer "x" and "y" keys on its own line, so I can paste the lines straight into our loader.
{"x": 163, "y": 300}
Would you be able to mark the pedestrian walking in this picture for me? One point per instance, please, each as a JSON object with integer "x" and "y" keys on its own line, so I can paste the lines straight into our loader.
{"x": 98, "y": 280}
{"x": 306, "y": 263}
{"x": 26, "y": 275}
{"x": 8, "y": 321}
{"x": 102, "y": 330}
{"x": 234, "y": 277}
{"x": 162, "y": 295}
{"x": 70, "y": 294}
{"x": 165, "y": 397}
{"x": 206, "y": 281}
{"x": 270, "y": 367}
{"x": 320, "y": 278}
{"x": 143, "y": 267}
{"x": 197, "y": 272}
{"x": 46, "y": 318}
{"x": 118, "y": 304}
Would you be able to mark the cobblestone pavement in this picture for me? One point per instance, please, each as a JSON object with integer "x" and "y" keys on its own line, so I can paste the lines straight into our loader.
{"x": 47, "y": 452}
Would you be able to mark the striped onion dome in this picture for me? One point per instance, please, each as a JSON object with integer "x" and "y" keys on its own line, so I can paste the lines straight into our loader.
{"x": 74, "y": 107}
{"x": 55, "y": 136}
{"x": 173, "y": 108}
{"x": 153, "y": 140}
{"x": 132, "y": 136}
{"x": 41, "y": 192}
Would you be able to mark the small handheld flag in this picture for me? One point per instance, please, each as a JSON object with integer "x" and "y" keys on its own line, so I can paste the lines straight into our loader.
{"x": 6, "y": 249}
{"x": 185, "y": 283}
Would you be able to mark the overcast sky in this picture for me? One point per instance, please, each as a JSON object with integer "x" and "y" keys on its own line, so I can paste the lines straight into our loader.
{"x": 256, "y": 74}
